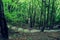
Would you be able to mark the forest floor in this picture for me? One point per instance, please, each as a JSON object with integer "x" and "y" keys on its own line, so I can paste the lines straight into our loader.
{"x": 35, "y": 36}
{"x": 26, "y": 34}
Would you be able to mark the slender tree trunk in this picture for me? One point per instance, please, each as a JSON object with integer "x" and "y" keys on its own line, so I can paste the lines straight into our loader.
{"x": 34, "y": 15}
{"x": 48, "y": 14}
{"x": 3, "y": 25}
{"x": 52, "y": 15}
{"x": 30, "y": 15}
{"x": 44, "y": 14}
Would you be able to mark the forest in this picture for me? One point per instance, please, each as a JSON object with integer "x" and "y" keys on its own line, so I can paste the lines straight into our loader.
{"x": 32, "y": 13}
{"x": 25, "y": 16}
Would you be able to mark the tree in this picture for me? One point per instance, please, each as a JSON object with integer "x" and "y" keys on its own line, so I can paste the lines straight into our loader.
{"x": 52, "y": 18}
{"x": 44, "y": 14}
{"x": 30, "y": 13}
{"x": 3, "y": 25}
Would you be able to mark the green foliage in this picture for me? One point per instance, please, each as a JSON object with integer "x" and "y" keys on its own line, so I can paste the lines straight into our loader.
{"x": 17, "y": 11}
{"x": 57, "y": 5}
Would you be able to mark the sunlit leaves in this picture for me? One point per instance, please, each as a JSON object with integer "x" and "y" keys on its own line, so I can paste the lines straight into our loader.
{"x": 19, "y": 9}
{"x": 57, "y": 5}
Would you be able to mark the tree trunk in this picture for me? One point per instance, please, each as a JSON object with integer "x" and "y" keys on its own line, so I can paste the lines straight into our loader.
{"x": 3, "y": 25}
{"x": 44, "y": 14}
{"x": 52, "y": 14}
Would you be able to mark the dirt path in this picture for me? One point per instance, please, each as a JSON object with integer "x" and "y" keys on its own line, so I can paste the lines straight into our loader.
{"x": 36, "y": 36}
{"x": 25, "y": 34}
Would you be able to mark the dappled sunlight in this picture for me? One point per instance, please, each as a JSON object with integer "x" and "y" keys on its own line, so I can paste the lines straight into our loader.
{"x": 30, "y": 19}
